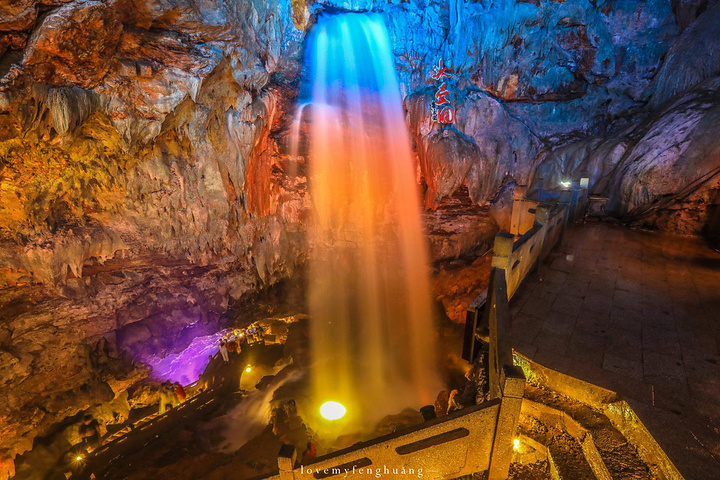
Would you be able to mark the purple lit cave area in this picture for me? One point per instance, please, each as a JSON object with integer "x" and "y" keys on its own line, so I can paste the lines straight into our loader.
{"x": 330, "y": 239}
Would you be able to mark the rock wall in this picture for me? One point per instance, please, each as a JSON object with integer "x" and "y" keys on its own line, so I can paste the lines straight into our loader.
{"x": 146, "y": 179}
{"x": 663, "y": 169}
{"x": 526, "y": 76}
{"x": 143, "y": 189}
{"x": 663, "y": 172}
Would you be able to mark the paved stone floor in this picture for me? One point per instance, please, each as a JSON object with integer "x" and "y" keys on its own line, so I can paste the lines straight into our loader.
{"x": 638, "y": 313}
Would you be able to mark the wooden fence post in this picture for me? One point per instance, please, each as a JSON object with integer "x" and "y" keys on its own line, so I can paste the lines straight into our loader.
{"x": 542, "y": 214}
{"x": 473, "y": 320}
{"x": 502, "y": 251}
{"x": 583, "y": 196}
{"x": 566, "y": 200}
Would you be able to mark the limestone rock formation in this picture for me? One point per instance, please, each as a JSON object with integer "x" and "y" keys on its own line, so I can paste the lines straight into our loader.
{"x": 526, "y": 75}
{"x": 694, "y": 57}
{"x": 662, "y": 173}
{"x": 142, "y": 191}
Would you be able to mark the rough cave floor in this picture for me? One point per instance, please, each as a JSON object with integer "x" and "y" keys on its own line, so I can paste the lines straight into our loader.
{"x": 638, "y": 313}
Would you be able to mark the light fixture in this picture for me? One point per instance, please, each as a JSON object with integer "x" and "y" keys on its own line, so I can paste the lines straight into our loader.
{"x": 516, "y": 444}
{"x": 78, "y": 458}
{"x": 332, "y": 410}
{"x": 566, "y": 183}
{"x": 248, "y": 369}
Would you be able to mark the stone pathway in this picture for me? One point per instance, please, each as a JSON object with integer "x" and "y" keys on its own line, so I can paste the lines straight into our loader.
{"x": 638, "y": 313}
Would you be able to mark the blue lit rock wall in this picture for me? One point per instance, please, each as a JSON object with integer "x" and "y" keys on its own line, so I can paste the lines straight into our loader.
{"x": 535, "y": 78}
{"x": 662, "y": 168}
{"x": 526, "y": 75}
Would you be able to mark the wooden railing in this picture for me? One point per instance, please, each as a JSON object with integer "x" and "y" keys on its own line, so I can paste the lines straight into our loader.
{"x": 575, "y": 198}
{"x": 517, "y": 257}
{"x": 487, "y": 322}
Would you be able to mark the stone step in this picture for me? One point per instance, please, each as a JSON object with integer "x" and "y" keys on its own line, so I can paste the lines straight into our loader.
{"x": 569, "y": 429}
{"x": 567, "y": 458}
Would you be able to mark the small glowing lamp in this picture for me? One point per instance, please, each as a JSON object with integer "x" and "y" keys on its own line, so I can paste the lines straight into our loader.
{"x": 78, "y": 458}
{"x": 566, "y": 183}
{"x": 516, "y": 444}
{"x": 248, "y": 369}
{"x": 332, "y": 410}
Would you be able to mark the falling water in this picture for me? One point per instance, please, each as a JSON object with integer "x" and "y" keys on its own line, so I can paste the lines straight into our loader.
{"x": 372, "y": 334}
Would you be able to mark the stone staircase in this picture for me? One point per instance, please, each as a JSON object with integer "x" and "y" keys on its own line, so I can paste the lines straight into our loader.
{"x": 562, "y": 438}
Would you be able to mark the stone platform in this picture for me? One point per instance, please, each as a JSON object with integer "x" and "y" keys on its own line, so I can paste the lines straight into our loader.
{"x": 638, "y": 313}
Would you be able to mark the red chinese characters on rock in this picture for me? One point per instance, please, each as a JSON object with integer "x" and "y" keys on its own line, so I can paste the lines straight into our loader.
{"x": 439, "y": 72}
{"x": 441, "y": 95}
{"x": 441, "y": 108}
{"x": 446, "y": 115}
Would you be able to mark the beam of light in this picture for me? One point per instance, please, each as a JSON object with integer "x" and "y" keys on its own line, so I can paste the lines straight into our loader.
{"x": 332, "y": 410}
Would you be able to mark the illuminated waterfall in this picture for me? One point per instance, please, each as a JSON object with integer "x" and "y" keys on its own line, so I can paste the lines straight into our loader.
{"x": 373, "y": 344}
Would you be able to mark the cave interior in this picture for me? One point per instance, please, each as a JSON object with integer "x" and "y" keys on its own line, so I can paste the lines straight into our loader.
{"x": 242, "y": 209}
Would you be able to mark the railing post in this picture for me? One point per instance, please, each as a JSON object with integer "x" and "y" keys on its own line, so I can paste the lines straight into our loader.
{"x": 286, "y": 462}
{"x": 473, "y": 319}
{"x": 542, "y": 214}
{"x": 502, "y": 250}
{"x": 517, "y": 209}
{"x": 497, "y": 311}
{"x": 513, "y": 389}
{"x": 583, "y": 196}
{"x": 502, "y": 255}
{"x": 566, "y": 200}
{"x": 542, "y": 217}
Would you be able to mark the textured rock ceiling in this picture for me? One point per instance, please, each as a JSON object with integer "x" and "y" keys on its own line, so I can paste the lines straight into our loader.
{"x": 145, "y": 178}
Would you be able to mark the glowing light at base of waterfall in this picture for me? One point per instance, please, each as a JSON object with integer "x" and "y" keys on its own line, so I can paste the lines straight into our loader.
{"x": 372, "y": 337}
{"x": 332, "y": 410}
